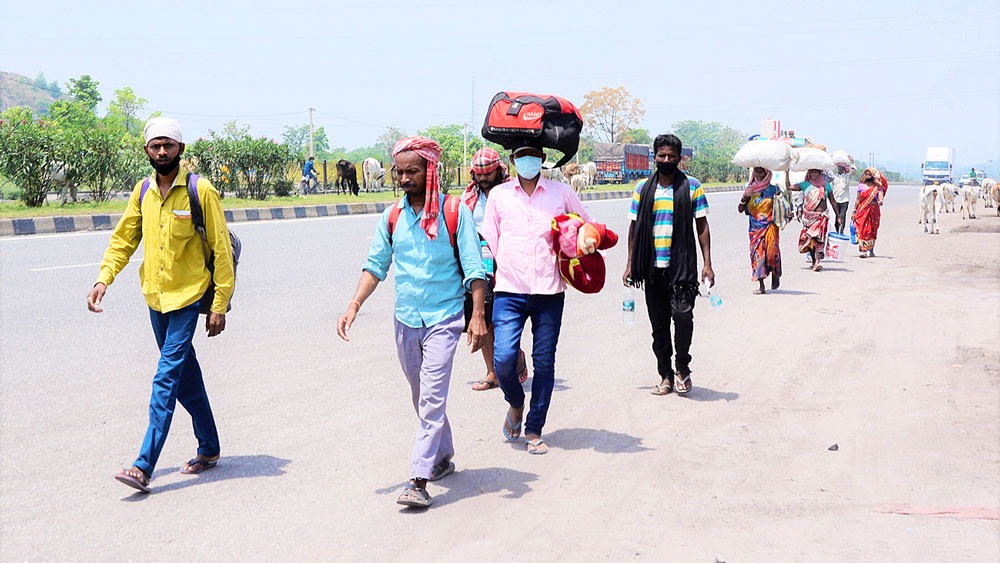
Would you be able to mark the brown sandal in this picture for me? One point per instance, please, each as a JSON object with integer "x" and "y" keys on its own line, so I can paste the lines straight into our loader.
{"x": 135, "y": 478}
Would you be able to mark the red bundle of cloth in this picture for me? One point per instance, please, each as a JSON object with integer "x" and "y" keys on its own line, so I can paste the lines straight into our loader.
{"x": 577, "y": 243}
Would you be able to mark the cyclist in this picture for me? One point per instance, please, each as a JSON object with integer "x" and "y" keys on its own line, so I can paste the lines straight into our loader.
{"x": 309, "y": 176}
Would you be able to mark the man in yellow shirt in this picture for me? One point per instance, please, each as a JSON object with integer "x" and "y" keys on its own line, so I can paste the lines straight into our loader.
{"x": 174, "y": 279}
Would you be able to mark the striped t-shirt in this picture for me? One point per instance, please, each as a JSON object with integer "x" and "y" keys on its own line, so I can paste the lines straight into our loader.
{"x": 663, "y": 215}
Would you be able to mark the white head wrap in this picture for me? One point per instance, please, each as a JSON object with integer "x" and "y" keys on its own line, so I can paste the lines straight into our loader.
{"x": 162, "y": 127}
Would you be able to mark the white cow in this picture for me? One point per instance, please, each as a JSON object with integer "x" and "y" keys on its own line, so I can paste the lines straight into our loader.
{"x": 988, "y": 185}
{"x": 950, "y": 193}
{"x": 970, "y": 197}
{"x": 553, "y": 173}
{"x": 59, "y": 176}
{"x": 591, "y": 169}
{"x": 580, "y": 182}
{"x": 995, "y": 194}
{"x": 372, "y": 172}
{"x": 931, "y": 203}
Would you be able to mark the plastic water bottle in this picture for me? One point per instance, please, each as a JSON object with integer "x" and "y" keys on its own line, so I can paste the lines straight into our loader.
{"x": 714, "y": 297}
{"x": 628, "y": 306}
{"x": 484, "y": 251}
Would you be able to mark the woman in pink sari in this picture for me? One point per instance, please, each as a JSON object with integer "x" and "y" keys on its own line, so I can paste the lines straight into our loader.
{"x": 765, "y": 252}
{"x": 868, "y": 210}
{"x": 816, "y": 191}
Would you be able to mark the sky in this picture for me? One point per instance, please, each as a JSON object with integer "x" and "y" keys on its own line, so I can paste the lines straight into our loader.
{"x": 882, "y": 78}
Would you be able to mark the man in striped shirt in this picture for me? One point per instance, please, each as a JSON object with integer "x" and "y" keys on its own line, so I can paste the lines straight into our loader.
{"x": 666, "y": 210}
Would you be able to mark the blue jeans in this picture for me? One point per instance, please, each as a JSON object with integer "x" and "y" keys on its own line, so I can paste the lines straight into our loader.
{"x": 510, "y": 313}
{"x": 178, "y": 378}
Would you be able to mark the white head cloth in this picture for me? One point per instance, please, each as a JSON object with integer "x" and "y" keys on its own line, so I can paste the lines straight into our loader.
{"x": 162, "y": 127}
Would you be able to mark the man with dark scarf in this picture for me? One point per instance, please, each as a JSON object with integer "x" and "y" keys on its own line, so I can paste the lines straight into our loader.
{"x": 665, "y": 212}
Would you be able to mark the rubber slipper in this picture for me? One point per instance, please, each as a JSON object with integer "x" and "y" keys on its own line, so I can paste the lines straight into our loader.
{"x": 196, "y": 465}
{"x": 484, "y": 385}
{"x": 682, "y": 384}
{"x": 443, "y": 468}
{"x": 664, "y": 388}
{"x": 511, "y": 431}
{"x": 537, "y": 447}
{"x": 125, "y": 476}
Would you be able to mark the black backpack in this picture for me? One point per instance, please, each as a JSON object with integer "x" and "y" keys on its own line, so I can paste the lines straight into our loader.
{"x": 198, "y": 220}
{"x": 549, "y": 121}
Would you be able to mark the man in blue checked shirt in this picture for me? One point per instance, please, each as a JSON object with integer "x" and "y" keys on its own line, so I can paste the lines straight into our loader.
{"x": 432, "y": 275}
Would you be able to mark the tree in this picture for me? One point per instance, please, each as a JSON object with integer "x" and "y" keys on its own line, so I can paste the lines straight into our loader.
{"x": 452, "y": 141}
{"x": 29, "y": 150}
{"x": 124, "y": 110}
{"x": 388, "y": 139}
{"x": 251, "y": 166}
{"x": 609, "y": 112}
{"x": 297, "y": 139}
{"x": 72, "y": 113}
{"x": 104, "y": 158}
{"x": 714, "y": 145}
{"x": 639, "y": 136}
{"x": 84, "y": 90}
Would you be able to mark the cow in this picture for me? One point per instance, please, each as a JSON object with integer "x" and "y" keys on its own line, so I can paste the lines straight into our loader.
{"x": 995, "y": 194}
{"x": 949, "y": 192}
{"x": 579, "y": 182}
{"x": 59, "y": 177}
{"x": 931, "y": 203}
{"x": 551, "y": 173}
{"x": 991, "y": 200}
{"x": 372, "y": 172}
{"x": 970, "y": 197}
{"x": 591, "y": 169}
{"x": 347, "y": 177}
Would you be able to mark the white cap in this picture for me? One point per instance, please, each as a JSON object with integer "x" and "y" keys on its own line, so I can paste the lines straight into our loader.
{"x": 162, "y": 127}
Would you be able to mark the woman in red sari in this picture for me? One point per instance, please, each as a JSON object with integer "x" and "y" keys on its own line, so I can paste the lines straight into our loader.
{"x": 765, "y": 252}
{"x": 868, "y": 210}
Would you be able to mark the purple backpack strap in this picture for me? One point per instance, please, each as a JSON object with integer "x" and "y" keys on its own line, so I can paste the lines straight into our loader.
{"x": 142, "y": 192}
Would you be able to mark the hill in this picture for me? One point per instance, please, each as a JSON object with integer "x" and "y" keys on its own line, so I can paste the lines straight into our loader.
{"x": 18, "y": 90}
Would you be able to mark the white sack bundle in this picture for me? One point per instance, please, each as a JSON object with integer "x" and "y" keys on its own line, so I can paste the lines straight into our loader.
{"x": 773, "y": 155}
{"x": 810, "y": 158}
{"x": 841, "y": 157}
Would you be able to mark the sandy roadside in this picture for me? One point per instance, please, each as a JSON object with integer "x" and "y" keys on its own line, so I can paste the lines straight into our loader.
{"x": 894, "y": 359}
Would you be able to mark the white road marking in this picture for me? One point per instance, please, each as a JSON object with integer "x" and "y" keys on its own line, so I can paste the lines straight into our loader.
{"x": 67, "y": 267}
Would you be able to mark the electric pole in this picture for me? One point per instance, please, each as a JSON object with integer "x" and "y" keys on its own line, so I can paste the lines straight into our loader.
{"x": 465, "y": 154}
{"x": 312, "y": 143}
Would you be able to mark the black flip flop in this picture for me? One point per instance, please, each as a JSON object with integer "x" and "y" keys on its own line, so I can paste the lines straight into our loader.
{"x": 198, "y": 464}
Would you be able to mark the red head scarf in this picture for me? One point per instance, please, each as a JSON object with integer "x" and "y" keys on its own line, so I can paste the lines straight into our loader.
{"x": 754, "y": 186}
{"x": 484, "y": 161}
{"x": 431, "y": 152}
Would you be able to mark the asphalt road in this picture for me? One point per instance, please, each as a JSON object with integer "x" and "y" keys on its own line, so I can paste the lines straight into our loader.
{"x": 316, "y": 433}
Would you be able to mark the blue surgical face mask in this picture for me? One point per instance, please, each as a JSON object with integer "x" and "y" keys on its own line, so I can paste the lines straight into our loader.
{"x": 528, "y": 166}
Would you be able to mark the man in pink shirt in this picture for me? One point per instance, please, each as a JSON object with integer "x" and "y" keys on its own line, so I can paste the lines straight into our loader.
{"x": 517, "y": 225}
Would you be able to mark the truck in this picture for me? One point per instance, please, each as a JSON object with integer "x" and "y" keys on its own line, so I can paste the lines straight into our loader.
{"x": 939, "y": 165}
{"x": 622, "y": 163}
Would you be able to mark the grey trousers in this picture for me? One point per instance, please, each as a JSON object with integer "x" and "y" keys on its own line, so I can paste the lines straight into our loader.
{"x": 426, "y": 355}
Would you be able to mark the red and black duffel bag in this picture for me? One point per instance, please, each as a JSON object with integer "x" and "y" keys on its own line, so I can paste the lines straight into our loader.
{"x": 548, "y": 121}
